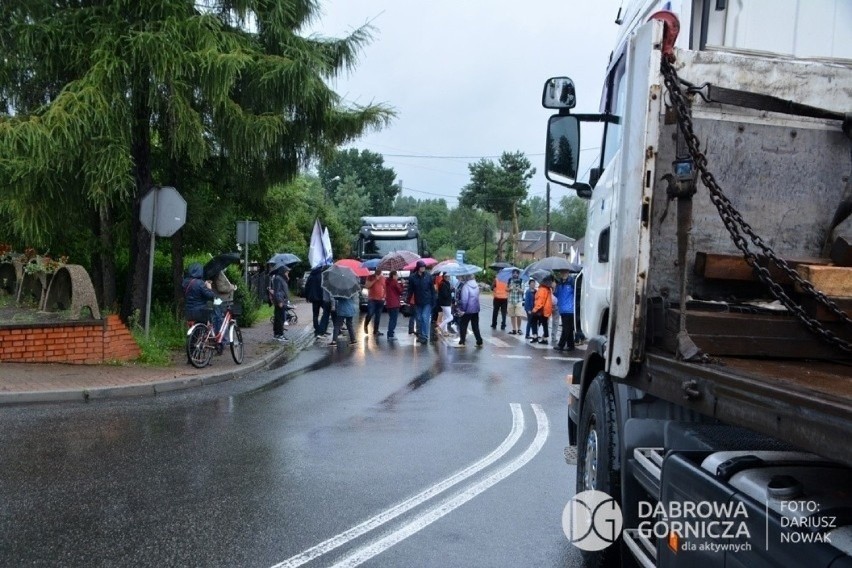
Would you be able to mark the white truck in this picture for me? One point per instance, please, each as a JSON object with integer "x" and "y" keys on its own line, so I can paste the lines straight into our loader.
{"x": 714, "y": 400}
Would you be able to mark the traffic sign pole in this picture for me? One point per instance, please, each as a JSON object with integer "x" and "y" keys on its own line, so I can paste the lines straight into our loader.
{"x": 156, "y": 190}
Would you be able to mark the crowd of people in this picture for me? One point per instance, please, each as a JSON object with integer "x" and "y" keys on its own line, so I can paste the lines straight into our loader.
{"x": 443, "y": 305}
{"x": 439, "y": 305}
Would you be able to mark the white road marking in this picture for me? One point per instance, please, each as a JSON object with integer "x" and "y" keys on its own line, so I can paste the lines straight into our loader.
{"x": 563, "y": 358}
{"x": 497, "y": 342}
{"x": 515, "y": 356}
{"x": 405, "y": 506}
{"x": 447, "y": 506}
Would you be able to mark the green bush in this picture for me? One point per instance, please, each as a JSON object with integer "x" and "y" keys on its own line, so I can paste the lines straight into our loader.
{"x": 166, "y": 334}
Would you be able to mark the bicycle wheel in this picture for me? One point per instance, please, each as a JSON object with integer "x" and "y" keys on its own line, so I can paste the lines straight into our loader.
{"x": 237, "y": 346}
{"x": 197, "y": 351}
{"x": 292, "y": 317}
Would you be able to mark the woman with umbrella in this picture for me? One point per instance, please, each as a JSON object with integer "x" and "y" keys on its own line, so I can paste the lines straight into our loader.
{"x": 279, "y": 294}
{"x": 342, "y": 284}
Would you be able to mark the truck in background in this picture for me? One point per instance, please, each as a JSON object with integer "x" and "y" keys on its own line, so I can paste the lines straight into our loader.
{"x": 714, "y": 400}
{"x": 379, "y": 236}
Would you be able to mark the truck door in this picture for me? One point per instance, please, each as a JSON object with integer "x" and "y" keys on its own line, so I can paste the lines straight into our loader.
{"x": 630, "y": 242}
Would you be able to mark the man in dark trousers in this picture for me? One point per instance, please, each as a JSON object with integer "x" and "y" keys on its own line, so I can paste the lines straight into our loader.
{"x": 420, "y": 284}
{"x": 319, "y": 302}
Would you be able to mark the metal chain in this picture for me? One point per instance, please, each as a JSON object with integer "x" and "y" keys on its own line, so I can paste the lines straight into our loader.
{"x": 736, "y": 226}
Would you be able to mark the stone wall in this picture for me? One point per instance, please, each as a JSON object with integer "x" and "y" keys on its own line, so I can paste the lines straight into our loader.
{"x": 72, "y": 342}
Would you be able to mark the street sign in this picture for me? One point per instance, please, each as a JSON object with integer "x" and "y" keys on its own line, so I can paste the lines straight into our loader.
{"x": 460, "y": 256}
{"x": 247, "y": 232}
{"x": 170, "y": 213}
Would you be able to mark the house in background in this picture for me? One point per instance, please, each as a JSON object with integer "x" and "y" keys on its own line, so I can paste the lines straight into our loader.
{"x": 531, "y": 246}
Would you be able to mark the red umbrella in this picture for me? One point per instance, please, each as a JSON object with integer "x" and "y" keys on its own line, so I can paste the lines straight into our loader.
{"x": 430, "y": 262}
{"x": 397, "y": 260}
{"x": 353, "y": 265}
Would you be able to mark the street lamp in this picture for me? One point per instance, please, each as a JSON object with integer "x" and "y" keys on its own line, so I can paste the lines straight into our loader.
{"x": 328, "y": 185}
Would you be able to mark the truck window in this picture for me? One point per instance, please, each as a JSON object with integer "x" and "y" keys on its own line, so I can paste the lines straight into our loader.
{"x": 614, "y": 104}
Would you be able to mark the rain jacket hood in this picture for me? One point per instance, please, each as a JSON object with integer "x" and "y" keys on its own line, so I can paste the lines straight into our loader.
{"x": 469, "y": 301}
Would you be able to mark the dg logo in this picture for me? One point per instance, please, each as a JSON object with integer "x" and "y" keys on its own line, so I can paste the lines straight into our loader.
{"x": 592, "y": 520}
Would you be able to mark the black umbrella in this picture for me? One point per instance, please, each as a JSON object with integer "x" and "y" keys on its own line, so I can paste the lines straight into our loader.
{"x": 555, "y": 263}
{"x": 284, "y": 258}
{"x": 499, "y": 265}
{"x": 219, "y": 263}
{"x": 340, "y": 281}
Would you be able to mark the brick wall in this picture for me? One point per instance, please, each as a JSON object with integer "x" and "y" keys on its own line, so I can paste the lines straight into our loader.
{"x": 72, "y": 342}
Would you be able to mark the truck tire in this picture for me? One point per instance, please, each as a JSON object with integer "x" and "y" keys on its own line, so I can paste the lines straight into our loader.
{"x": 597, "y": 448}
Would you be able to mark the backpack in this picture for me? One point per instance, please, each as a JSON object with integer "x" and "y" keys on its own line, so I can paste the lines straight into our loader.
{"x": 270, "y": 291}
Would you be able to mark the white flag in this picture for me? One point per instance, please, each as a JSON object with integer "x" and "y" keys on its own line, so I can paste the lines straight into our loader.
{"x": 316, "y": 256}
{"x": 572, "y": 256}
{"x": 328, "y": 254}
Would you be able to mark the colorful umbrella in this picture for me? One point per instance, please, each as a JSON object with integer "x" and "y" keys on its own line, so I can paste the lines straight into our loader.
{"x": 340, "y": 281}
{"x": 371, "y": 264}
{"x": 429, "y": 262}
{"x": 354, "y": 266}
{"x": 397, "y": 260}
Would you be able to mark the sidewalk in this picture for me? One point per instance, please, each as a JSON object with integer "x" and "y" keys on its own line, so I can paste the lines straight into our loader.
{"x": 45, "y": 382}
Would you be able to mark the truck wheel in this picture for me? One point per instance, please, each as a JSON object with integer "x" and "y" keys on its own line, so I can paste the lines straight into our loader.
{"x": 597, "y": 449}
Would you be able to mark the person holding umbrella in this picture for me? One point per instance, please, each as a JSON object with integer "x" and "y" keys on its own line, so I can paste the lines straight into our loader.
{"x": 420, "y": 284}
{"x": 279, "y": 294}
{"x": 319, "y": 299}
{"x": 342, "y": 284}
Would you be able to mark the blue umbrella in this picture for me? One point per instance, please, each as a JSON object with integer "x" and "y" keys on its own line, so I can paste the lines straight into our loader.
{"x": 506, "y": 273}
{"x": 284, "y": 258}
{"x": 372, "y": 263}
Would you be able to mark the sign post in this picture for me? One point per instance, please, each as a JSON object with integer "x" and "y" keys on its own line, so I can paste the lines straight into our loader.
{"x": 163, "y": 212}
{"x": 247, "y": 233}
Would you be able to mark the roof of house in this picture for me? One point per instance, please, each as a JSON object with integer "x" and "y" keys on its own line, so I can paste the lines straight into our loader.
{"x": 532, "y": 241}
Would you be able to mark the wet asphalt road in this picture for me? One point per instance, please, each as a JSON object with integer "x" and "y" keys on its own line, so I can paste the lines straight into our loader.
{"x": 278, "y": 468}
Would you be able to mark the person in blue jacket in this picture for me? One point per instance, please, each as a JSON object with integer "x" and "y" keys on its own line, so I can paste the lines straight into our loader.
{"x": 344, "y": 312}
{"x": 529, "y": 303}
{"x": 565, "y": 302}
{"x": 196, "y": 293}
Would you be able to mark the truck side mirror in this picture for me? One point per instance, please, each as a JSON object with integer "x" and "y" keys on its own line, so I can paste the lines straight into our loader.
{"x": 559, "y": 93}
{"x": 562, "y": 152}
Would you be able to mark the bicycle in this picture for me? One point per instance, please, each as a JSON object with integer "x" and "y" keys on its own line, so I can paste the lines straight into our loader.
{"x": 202, "y": 339}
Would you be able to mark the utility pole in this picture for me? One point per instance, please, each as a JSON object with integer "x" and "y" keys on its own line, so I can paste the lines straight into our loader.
{"x": 485, "y": 248}
{"x": 547, "y": 223}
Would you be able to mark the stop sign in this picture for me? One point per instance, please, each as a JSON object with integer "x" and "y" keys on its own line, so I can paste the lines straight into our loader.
{"x": 163, "y": 211}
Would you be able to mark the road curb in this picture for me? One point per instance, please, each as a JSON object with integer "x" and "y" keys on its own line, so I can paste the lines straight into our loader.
{"x": 275, "y": 356}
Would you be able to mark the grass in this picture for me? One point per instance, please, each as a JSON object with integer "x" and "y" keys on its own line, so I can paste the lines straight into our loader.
{"x": 166, "y": 334}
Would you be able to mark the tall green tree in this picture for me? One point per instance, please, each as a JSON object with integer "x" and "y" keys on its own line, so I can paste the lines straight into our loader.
{"x": 104, "y": 99}
{"x": 499, "y": 188}
{"x": 368, "y": 167}
{"x": 352, "y": 203}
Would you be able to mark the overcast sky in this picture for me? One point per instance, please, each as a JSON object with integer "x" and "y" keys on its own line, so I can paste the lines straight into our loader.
{"x": 465, "y": 77}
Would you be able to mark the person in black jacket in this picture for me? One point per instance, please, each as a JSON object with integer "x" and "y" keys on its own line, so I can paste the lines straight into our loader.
{"x": 420, "y": 285}
{"x": 319, "y": 299}
{"x": 445, "y": 303}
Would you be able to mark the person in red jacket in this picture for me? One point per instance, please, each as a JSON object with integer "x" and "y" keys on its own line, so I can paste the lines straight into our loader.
{"x": 393, "y": 301}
